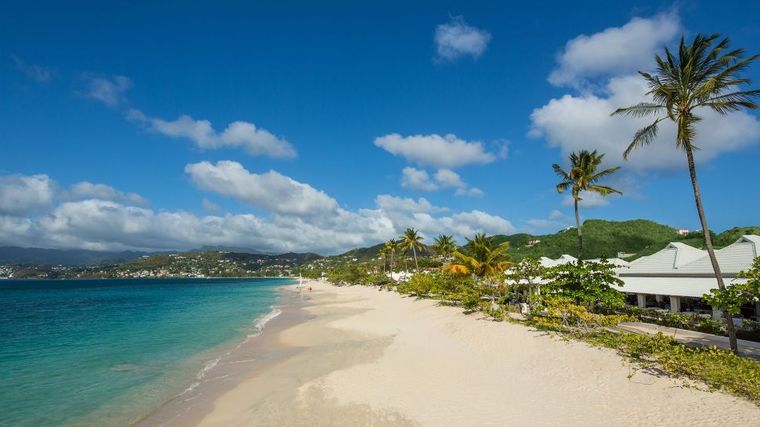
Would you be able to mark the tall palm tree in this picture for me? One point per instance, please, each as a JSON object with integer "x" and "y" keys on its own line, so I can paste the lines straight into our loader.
{"x": 444, "y": 246}
{"x": 412, "y": 241}
{"x": 583, "y": 176}
{"x": 701, "y": 75}
{"x": 390, "y": 248}
{"x": 483, "y": 258}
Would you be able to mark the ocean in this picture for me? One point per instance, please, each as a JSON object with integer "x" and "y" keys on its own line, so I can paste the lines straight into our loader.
{"x": 107, "y": 352}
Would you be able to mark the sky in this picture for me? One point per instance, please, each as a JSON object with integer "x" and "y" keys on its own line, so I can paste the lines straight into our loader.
{"x": 323, "y": 126}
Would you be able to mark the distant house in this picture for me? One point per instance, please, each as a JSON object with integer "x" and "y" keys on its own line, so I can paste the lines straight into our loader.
{"x": 533, "y": 242}
{"x": 683, "y": 231}
{"x": 682, "y": 274}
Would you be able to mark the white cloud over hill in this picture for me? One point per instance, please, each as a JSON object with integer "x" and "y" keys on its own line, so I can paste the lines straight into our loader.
{"x": 297, "y": 216}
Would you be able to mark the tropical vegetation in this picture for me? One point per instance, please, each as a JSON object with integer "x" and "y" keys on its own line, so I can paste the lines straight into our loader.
{"x": 583, "y": 176}
{"x": 702, "y": 75}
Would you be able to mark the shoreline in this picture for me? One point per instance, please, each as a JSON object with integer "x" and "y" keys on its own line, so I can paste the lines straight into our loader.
{"x": 368, "y": 357}
{"x": 255, "y": 351}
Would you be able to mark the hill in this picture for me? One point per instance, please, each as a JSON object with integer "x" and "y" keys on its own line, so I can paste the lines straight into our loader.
{"x": 69, "y": 257}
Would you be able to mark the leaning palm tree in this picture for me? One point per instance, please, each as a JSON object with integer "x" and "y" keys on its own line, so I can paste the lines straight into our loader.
{"x": 444, "y": 246}
{"x": 702, "y": 75}
{"x": 383, "y": 253}
{"x": 583, "y": 176}
{"x": 483, "y": 258}
{"x": 412, "y": 241}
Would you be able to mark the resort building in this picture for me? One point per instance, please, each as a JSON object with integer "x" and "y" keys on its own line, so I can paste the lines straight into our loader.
{"x": 676, "y": 277}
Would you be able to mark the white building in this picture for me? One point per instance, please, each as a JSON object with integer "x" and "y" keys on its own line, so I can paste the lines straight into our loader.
{"x": 678, "y": 275}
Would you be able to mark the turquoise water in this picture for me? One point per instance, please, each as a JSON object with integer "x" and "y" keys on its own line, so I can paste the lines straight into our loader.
{"x": 105, "y": 352}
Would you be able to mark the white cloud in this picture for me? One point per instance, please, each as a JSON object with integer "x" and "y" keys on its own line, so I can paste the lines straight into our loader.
{"x": 88, "y": 190}
{"x": 417, "y": 179}
{"x": 34, "y": 72}
{"x": 575, "y": 122}
{"x": 210, "y": 206}
{"x": 449, "y": 179}
{"x": 456, "y": 38}
{"x": 588, "y": 200}
{"x": 615, "y": 50}
{"x": 469, "y": 192}
{"x": 108, "y": 90}
{"x": 297, "y": 217}
{"x": 23, "y": 194}
{"x": 443, "y": 152}
{"x": 270, "y": 191}
{"x": 239, "y": 134}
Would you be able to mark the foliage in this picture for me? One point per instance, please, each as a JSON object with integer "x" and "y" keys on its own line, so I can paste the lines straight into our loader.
{"x": 691, "y": 322}
{"x": 583, "y": 175}
{"x": 585, "y": 283}
{"x": 444, "y": 246}
{"x": 718, "y": 369}
{"x": 524, "y": 275}
{"x": 411, "y": 241}
{"x": 560, "y": 312}
{"x": 484, "y": 258}
{"x": 733, "y": 297}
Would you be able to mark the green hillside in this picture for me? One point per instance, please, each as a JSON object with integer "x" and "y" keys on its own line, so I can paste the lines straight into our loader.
{"x": 601, "y": 239}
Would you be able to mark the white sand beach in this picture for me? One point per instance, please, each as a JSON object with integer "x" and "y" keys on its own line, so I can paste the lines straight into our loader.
{"x": 370, "y": 357}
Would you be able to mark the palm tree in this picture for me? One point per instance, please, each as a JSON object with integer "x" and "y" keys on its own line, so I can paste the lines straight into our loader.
{"x": 583, "y": 176}
{"x": 390, "y": 248}
{"x": 383, "y": 252}
{"x": 444, "y": 246}
{"x": 703, "y": 75}
{"x": 411, "y": 241}
{"x": 483, "y": 257}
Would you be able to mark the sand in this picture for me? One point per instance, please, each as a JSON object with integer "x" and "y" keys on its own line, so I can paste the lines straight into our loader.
{"x": 369, "y": 357}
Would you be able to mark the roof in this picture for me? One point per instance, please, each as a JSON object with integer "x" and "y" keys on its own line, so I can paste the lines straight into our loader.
{"x": 564, "y": 259}
{"x": 675, "y": 286}
{"x": 678, "y": 259}
{"x": 667, "y": 260}
{"x": 617, "y": 262}
{"x": 732, "y": 259}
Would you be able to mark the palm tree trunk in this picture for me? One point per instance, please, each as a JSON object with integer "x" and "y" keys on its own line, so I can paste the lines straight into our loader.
{"x": 578, "y": 227}
{"x": 391, "y": 262}
{"x": 416, "y": 266}
{"x": 708, "y": 244}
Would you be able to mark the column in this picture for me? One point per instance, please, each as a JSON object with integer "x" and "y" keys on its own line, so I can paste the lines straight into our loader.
{"x": 675, "y": 304}
{"x": 659, "y": 298}
{"x": 641, "y": 300}
{"x": 717, "y": 314}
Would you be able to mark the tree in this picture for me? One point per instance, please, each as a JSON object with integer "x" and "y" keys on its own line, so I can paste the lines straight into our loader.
{"x": 702, "y": 75}
{"x": 483, "y": 258}
{"x": 525, "y": 274}
{"x": 583, "y": 176}
{"x": 588, "y": 284}
{"x": 390, "y": 248}
{"x": 444, "y": 246}
{"x": 383, "y": 252}
{"x": 412, "y": 241}
{"x": 732, "y": 298}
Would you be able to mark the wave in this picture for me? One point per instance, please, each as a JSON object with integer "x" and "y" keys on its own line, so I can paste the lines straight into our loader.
{"x": 258, "y": 327}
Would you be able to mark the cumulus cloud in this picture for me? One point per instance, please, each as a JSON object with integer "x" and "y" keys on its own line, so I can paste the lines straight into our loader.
{"x": 34, "y": 72}
{"x": 615, "y": 50}
{"x": 88, "y": 190}
{"x": 456, "y": 39}
{"x": 110, "y": 90}
{"x": 575, "y": 122}
{"x": 256, "y": 141}
{"x": 588, "y": 200}
{"x": 300, "y": 219}
{"x": 270, "y": 191}
{"x": 420, "y": 179}
{"x": 443, "y": 152}
{"x": 23, "y": 194}
{"x": 555, "y": 220}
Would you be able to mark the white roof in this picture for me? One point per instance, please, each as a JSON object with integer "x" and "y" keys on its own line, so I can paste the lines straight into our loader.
{"x": 564, "y": 259}
{"x": 732, "y": 259}
{"x": 668, "y": 260}
{"x": 675, "y": 286}
{"x": 617, "y": 262}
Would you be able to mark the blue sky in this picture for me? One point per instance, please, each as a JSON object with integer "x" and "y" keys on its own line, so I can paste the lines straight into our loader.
{"x": 284, "y": 126}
